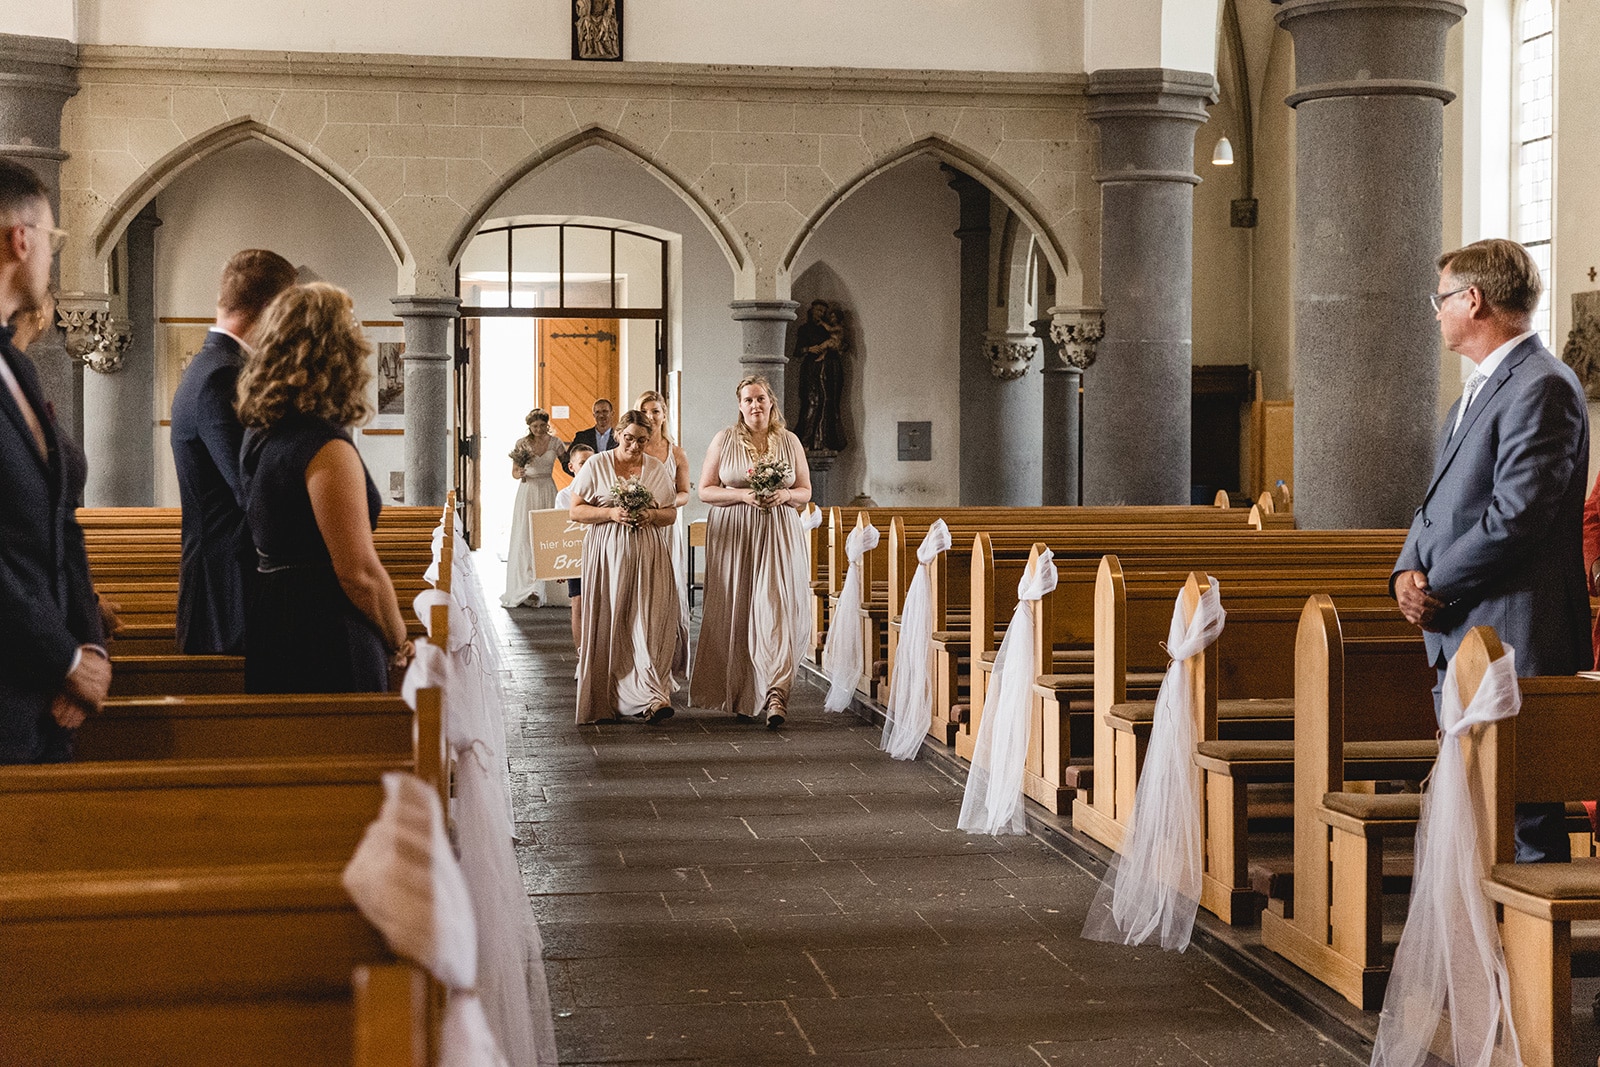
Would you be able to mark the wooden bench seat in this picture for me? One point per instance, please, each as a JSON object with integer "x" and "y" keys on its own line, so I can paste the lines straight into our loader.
{"x": 247, "y": 727}
{"x": 259, "y": 965}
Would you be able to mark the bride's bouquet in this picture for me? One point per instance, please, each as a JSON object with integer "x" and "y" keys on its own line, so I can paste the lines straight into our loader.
{"x": 768, "y": 476}
{"x": 633, "y": 497}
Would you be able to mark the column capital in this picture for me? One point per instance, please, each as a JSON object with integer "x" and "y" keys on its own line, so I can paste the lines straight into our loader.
{"x": 1358, "y": 48}
{"x": 1074, "y": 333}
{"x": 1147, "y": 121}
{"x": 1009, "y": 353}
{"x": 756, "y": 310}
{"x": 427, "y": 307}
{"x": 91, "y": 335}
{"x": 37, "y": 76}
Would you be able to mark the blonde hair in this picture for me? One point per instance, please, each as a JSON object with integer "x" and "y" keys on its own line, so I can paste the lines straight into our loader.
{"x": 740, "y": 430}
{"x": 310, "y": 358}
{"x": 645, "y": 398}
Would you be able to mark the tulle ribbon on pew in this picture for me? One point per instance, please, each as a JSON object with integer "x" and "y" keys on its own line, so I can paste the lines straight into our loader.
{"x": 910, "y": 710}
{"x": 1449, "y": 988}
{"x": 405, "y": 880}
{"x": 1153, "y": 889}
{"x": 993, "y": 800}
{"x": 811, "y": 517}
{"x": 842, "y": 652}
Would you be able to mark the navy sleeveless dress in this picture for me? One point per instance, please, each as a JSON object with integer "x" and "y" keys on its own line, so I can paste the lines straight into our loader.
{"x": 302, "y": 633}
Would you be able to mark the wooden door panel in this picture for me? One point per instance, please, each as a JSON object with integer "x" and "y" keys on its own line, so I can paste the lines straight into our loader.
{"x": 579, "y": 363}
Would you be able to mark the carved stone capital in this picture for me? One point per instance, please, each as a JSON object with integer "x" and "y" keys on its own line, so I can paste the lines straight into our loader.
{"x": 1009, "y": 354}
{"x": 91, "y": 336}
{"x": 1074, "y": 333}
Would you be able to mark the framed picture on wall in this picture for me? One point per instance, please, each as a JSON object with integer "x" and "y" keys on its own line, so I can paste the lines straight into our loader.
{"x": 387, "y": 393}
{"x": 181, "y": 340}
{"x": 597, "y": 30}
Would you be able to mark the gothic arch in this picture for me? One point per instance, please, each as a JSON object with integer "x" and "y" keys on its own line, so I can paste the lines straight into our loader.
{"x": 167, "y": 169}
{"x": 946, "y": 152}
{"x": 592, "y": 136}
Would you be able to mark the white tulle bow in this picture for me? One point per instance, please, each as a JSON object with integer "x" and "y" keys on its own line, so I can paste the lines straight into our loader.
{"x": 910, "y": 710}
{"x": 404, "y": 878}
{"x": 1153, "y": 890}
{"x": 993, "y": 800}
{"x": 1448, "y": 987}
{"x": 811, "y": 518}
{"x": 842, "y": 653}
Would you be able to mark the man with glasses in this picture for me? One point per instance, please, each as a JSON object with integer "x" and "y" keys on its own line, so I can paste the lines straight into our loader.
{"x": 600, "y": 437}
{"x": 53, "y": 667}
{"x": 1498, "y": 540}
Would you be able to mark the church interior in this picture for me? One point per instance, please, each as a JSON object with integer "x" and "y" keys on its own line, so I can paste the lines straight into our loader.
{"x": 1143, "y": 283}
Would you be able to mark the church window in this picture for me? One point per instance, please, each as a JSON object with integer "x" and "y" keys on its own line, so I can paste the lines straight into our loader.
{"x": 1535, "y": 142}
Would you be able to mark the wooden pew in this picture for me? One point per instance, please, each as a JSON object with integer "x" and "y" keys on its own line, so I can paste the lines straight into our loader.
{"x": 1347, "y": 690}
{"x": 1133, "y": 609}
{"x": 242, "y": 966}
{"x": 1532, "y": 758}
{"x": 247, "y": 727}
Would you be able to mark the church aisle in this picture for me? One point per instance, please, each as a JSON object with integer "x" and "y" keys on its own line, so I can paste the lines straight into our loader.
{"x": 714, "y": 893}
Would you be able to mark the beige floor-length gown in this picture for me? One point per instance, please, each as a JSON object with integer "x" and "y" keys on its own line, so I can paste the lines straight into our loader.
{"x": 756, "y": 624}
{"x": 630, "y": 608}
{"x": 536, "y": 492}
{"x": 680, "y": 565}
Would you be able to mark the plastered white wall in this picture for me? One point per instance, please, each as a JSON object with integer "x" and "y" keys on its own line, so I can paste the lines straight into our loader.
{"x": 39, "y": 18}
{"x": 1023, "y": 35}
{"x": 889, "y": 255}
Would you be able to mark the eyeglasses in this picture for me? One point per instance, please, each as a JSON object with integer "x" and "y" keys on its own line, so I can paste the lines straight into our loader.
{"x": 58, "y": 237}
{"x": 1438, "y": 299}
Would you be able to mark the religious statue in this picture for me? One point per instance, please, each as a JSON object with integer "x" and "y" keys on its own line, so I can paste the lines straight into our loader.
{"x": 820, "y": 347}
{"x": 597, "y": 29}
{"x": 1582, "y": 351}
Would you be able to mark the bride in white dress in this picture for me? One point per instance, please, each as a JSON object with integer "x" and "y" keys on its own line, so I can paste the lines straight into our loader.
{"x": 533, "y": 462}
{"x": 664, "y": 448}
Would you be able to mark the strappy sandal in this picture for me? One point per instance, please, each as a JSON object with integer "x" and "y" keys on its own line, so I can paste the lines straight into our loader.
{"x": 659, "y": 715}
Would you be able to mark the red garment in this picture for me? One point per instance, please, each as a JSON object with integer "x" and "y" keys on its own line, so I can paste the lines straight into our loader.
{"x": 1591, "y": 549}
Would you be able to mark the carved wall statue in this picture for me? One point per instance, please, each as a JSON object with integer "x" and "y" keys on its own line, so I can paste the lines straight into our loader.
{"x": 597, "y": 29}
{"x": 1582, "y": 350}
{"x": 820, "y": 347}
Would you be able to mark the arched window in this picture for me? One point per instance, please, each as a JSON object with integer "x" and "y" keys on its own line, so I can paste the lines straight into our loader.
{"x": 1534, "y": 207}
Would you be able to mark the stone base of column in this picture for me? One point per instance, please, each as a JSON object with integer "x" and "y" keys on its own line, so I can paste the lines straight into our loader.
{"x": 821, "y": 464}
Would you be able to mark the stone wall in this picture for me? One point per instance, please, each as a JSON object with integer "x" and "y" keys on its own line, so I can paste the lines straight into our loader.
{"x": 426, "y": 145}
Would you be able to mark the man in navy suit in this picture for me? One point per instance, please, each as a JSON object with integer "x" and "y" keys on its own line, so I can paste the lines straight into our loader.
{"x": 53, "y": 667}
{"x": 601, "y": 437}
{"x": 219, "y": 556}
{"x": 1498, "y": 540}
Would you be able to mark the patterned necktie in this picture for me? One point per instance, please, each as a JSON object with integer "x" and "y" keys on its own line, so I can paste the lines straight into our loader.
{"x": 1474, "y": 383}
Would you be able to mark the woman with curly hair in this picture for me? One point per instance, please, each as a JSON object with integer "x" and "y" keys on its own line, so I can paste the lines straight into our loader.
{"x": 324, "y": 618}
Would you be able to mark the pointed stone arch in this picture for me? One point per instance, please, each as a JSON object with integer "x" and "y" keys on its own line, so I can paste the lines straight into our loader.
{"x": 595, "y": 136}
{"x": 167, "y": 169}
{"x": 1061, "y": 260}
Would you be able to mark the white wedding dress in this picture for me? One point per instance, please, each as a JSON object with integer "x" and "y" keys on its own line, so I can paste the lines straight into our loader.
{"x": 536, "y": 493}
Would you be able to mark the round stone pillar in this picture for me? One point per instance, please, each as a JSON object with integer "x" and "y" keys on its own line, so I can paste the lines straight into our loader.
{"x": 37, "y": 77}
{"x": 1369, "y": 137}
{"x": 766, "y": 325}
{"x": 1069, "y": 337}
{"x": 119, "y": 391}
{"x": 428, "y": 322}
{"x": 1136, "y": 403}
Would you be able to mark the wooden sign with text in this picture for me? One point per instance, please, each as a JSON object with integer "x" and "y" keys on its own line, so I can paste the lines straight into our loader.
{"x": 557, "y": 544}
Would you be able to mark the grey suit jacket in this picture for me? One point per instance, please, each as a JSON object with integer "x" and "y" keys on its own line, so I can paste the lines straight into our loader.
{"x": 1500, "y": 531}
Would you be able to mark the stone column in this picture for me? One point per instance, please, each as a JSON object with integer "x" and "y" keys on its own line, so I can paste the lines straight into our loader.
{"x": 1369, "y": 137}
{"x": 430, "y": 455}
{"x": 119, "y": 392}
{"x": 37, "y": 77}
{"x": 1069, "y": 337}
{"x": 1136, "y": 403}
{"x": 766, "y": 326}
{"x": 979, "y": 410}
{"x": 1013, "y": 452}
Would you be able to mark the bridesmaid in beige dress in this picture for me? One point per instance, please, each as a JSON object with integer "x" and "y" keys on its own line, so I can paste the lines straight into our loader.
{"x": 757, "y": 624}
{"x": 664, "y": 448}
{"x": 630, "y": 609}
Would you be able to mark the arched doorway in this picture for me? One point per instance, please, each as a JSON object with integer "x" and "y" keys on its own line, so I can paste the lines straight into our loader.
{"x": 555, "y": 313}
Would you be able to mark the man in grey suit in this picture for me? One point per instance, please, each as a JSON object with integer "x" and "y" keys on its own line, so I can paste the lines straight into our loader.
{"x": 1498, "y": 540}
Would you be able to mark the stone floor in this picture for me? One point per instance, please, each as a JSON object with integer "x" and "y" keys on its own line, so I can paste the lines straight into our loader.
{"x": 711, "y": 892}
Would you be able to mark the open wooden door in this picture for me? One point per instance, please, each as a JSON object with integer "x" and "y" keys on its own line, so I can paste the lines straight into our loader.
{"x": 579, "y": 363}
{"x": 468, "y": 348}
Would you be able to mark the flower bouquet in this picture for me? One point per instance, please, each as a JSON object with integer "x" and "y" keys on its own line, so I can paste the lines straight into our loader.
{"x": 768, "y": 476}
{"x": 633, "y": 497}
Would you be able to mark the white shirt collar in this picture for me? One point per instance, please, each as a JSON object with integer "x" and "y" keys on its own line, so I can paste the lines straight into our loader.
{"x": 1492, "y": 361}
{"x": 237, "y": 339}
